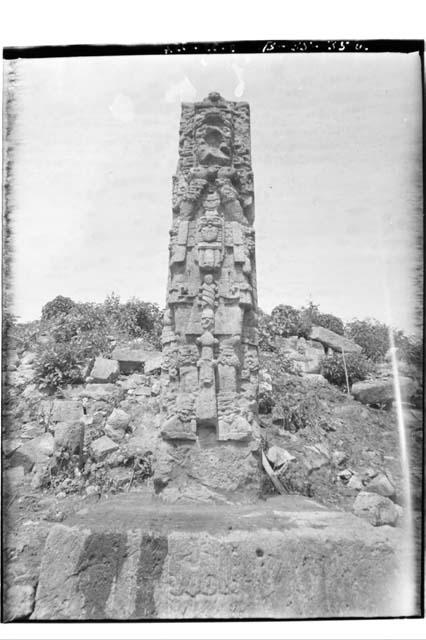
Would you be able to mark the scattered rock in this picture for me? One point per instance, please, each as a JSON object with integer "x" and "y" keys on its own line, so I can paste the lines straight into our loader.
{"x": 105, "y": 370}
{"x": 117, "y": 424}
{"x": 334, "y": 340}
{"x": 382, "y": 391}
{"x": 34, "y": 451}
{"x": 102, "y": 446}
{"x": 345, "y": 475}
{"x": 156, "y": 388}
{"x": 278, "y": 456}
{"x": 355, "y": 483}
{"x": 381, "y": 485}
{"x": 153, "y": 363}
{"x": 69, "y": 436}
{"x": 378, "y": 510}
{"x": 316, "y": 456}
{"x": 19, "y": 601}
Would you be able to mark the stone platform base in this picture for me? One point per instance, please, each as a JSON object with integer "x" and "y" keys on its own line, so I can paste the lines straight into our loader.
{"x": 288, "y": 557}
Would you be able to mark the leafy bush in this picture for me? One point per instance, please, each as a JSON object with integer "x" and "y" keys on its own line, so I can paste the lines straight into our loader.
{"x": 328, "y": 321}
{"x": 357, "y": 365}
{"x": 135, "y": 319}
{"x": 410, "y": 349}
{"x": 371, "y": 335}
{"x": 287, "y": 321}
{"x": 56, "y": 366}
{"x": 56, "y": 307}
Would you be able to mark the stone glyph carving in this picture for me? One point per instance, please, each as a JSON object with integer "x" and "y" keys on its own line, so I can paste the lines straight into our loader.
{"x": 210, "y": 366}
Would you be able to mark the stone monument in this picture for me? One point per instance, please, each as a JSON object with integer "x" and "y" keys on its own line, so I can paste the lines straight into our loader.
{"x": 210, "y": 336}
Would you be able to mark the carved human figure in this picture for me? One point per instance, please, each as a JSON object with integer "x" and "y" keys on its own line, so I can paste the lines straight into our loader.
{"x": 228, "y": 364}
{"x": 208, "y": 296}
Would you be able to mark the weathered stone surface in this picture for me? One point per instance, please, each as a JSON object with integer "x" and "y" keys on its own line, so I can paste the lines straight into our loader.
{"x": 117, "y": 424}
{"x": 102, "y": 446}
{"x": 278, "y": 456}
{"x": 129, "y": 359}
{"x": 334, "y": 340}
{"x": 105, "y": 370}
{"x": 285, "y": 558}
{"x": 153, "y": 362}
{"x": 19, "y": 602}
{"x": 382, "y": 485}
{"x": 69, "y": 436}
{"x": 13, "y": 478}
{"x": 35, "y": 451}
{"x": 378, "y": 510}
{"x": 307, "y": 354}
{"x": 210, "y": 360}
{"x": 379, "y": 391}
{"x": 61, "y": 411}
{"x": 99, "y": 391}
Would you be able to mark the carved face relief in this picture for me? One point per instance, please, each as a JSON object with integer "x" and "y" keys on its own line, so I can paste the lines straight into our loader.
{"x": 209, "y": 230}
{"x": 188, "y": 355}
{"x": 207, "y": 319}
{"x": 228, "y": 357}
{"x": 251, "y": 361}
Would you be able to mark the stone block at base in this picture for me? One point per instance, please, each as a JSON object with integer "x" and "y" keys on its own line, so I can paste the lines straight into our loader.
{"x": 288, "y": 557}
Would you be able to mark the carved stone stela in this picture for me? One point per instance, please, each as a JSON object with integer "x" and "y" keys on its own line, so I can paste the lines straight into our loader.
{"x": 210, "y": 338}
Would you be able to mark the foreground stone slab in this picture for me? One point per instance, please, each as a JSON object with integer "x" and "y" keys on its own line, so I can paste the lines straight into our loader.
{"x": 287, "y": 557}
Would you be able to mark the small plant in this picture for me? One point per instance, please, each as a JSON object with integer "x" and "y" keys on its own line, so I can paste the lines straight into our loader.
{"x": 358, "y": 368}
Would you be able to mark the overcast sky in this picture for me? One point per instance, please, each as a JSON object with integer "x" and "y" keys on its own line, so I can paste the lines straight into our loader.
{"x": 336, "y": 150}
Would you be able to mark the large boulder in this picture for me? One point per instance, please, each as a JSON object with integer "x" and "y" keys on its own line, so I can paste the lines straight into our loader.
{"x": 378, "y": 510}
{"x": 382, "y": 391}
{"x": 333, "y": 340}
{"x": 105, "y": 370}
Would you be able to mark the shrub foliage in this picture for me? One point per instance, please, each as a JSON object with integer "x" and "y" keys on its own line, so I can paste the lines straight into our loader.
{"x": 357, "y": 365}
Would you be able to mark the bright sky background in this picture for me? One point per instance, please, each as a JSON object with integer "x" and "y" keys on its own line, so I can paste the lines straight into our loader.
{"x": 336, "y": 150}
